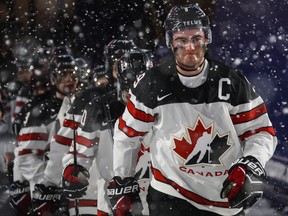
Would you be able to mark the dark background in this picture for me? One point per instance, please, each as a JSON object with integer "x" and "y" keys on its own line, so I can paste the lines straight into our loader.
{"x": 249, "y": 34}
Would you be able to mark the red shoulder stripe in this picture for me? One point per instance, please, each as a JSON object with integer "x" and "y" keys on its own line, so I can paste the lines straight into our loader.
{"x": 138, "y": 114}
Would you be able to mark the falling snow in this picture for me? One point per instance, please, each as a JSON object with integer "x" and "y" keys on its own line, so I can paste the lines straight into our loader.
{"x": 251, "y": 35}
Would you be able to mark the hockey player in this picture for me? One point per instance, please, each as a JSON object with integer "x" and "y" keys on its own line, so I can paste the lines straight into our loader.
{"x": 94, "y": 137}
{"x": 24, "y": 50}
{"x": 191, "y": 103}
{"x": 64, "y": 137}
{"x": 33, "y": 136}
{"x": 20, "y": 189}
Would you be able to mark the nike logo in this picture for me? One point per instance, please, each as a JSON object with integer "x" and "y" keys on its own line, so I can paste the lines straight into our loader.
{"x": 104, "y": 123}
{"x": 53, "y": 116}
{"x": 161, "y": 98}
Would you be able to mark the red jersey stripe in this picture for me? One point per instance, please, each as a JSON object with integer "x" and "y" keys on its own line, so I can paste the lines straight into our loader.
{"x": 84, "y": 203}
{"x": 249, "y": 115}
{"x": 70, "y": 123}
{"x": 247, "y": 134}
{"x": 138, "y": 114}
{"x": 188, "y": 194}
{"x": 79, "y": 155}
{"x": 20, "y": 103}
{"x": 101, "y": 213}
{"x": 62, "y": 140}
{"x": 128, "y": 130}
{"x": 87, "y": 142}
{"x": 31, "y": 151}
{"x": 33, "y": 136}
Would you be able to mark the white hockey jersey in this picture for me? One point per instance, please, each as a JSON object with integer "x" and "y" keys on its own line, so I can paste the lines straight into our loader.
{"x": 197, "y": 132}
{"x": 69, "y": 118}
{"x": 33, "y": 139}
{"x": 94, "y": 143}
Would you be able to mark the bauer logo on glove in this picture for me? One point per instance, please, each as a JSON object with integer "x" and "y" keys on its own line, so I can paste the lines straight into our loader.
{"x": 124, "y": 196}
{"x": 244, "y": 185}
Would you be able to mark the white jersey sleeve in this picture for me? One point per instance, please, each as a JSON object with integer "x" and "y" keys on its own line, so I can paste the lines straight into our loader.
{"x": 135, "y": 123}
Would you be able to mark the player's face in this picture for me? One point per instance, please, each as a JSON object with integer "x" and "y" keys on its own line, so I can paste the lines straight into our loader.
{"x": 67, "y": 81}
{"x": 189, "y": 47}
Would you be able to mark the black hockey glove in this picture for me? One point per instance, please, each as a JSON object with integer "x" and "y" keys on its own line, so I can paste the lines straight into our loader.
{"x": 244, "y": 185}
{"x": 124, "y": 196}
{"x": 20, "y": 198}
{"x": 75, "y": 181}
{"x": 49, "y": 201}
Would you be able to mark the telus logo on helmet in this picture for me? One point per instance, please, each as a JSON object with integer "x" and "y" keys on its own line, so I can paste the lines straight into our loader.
{"x": 192, "y": 22}
{"x": 183, "y": 24}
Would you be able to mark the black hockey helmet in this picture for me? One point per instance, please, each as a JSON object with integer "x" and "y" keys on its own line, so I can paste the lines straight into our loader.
{"x": 41, "y": 59}
{"x": 84, "y": 69}
{"x": 61, "y": 64}
{"x": 184, "y": 17}
{"x": 114, "y": 50}
{"x": 61, "y": 50}
{"x": 39, "y": 79}
{"x": 131, "y": 65}
{"x": 98, "y": 72}
{"x": 22, "y": 51}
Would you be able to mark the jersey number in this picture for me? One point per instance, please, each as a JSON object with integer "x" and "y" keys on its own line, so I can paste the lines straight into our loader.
{"x": 84, "y": 115}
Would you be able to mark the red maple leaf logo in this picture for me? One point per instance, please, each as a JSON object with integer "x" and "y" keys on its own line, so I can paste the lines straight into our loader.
{"x": 183, "y": 147}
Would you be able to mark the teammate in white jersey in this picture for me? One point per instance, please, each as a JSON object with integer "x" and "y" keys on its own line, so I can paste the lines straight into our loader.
{"x": 211, "y": 134}
{"x": 94, "y": 135}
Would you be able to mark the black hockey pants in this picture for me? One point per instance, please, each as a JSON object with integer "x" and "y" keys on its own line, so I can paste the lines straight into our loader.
{"x": 161, "y": 204}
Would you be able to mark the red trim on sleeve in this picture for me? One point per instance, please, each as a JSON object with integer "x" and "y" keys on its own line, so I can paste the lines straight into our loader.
{"x": 102, "y": 213}
{"x": 70, "y": 124}
{"x": 20, "y": 103}
{"x": 83, "y": 203}
{"x": 128, "y": 130}
{"x": 188, "y": 194}
{"x": 62, "y": 140}
{"x": 247, "y": 134}
{"x": 79, "y": 155}
{"x": 31, "y": 151}
{"x": 87, "y": 142}
{"x": 33, "y": 136}
{"x": 249, "y": 115}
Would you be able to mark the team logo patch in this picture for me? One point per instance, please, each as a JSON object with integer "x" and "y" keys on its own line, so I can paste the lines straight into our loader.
{"x": 201, "y": 145}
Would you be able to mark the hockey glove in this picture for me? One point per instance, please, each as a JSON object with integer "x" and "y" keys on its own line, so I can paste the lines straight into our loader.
{"x": 244, "y": 185}
{"x": 49, "y": 201}
{"x": 124, "y": 196}
{"x": 20, "y": 198}
{"x": 75, "y": 181}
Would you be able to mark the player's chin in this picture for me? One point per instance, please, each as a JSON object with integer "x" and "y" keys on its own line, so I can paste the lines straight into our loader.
{"x": 69, "y": 89}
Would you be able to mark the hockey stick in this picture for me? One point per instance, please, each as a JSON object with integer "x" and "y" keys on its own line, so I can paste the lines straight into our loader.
{"x": 107, "y": 113}
{"x": 76, "y": 201}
